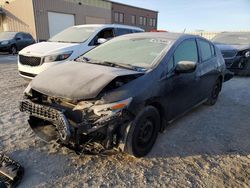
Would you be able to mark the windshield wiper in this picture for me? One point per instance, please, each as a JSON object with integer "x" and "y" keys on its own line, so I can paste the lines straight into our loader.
{"x": 113, "y": 64}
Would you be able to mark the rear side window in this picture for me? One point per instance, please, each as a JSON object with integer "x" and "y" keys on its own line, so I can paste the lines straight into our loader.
{"x": 121, "y": 31}
{"x": 186, "y": 51}
{"x": 207, "y": 50}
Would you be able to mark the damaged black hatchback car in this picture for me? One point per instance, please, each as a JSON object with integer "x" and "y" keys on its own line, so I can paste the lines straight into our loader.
{"x": 122, "y": 93}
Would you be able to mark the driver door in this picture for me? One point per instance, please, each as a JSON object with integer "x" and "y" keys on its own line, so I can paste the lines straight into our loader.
{"x": 183, "y": 92}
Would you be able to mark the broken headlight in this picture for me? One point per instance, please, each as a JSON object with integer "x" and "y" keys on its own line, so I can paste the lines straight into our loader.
{"x": 112, "y": 108}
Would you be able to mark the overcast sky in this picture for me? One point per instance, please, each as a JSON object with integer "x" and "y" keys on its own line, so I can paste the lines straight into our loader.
{"x": 210, "y": 15}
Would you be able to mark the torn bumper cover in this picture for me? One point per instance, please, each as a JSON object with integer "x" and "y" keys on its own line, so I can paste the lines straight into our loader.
{"x": 71, "y": 132}
{"x": 11, "y": 172}
{"x": 49, "y": 114}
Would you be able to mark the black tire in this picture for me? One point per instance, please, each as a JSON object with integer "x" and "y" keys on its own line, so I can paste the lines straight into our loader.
{"x": 246, "y": 70}
{"x": 214, "y": 93}
{"x": 13, "y": 50}
{"x": 143, "y": 132}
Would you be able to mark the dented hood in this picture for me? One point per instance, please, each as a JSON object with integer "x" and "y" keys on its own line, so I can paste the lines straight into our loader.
{"x": 76, "y": 80}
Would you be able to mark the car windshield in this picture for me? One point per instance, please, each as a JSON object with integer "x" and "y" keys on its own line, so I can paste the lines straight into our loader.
{"x": 74, "y": 35}
{"x": 233, "y": 38}
{"x": 7, "y": 35}
{"x": 138, "y": 52}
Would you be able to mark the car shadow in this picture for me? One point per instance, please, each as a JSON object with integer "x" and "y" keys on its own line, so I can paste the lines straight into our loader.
{"x": 217, "y": 130}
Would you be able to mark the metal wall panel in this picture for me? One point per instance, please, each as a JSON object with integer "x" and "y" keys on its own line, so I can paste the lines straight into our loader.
{"x": 42, "y": 7}
{"x": 18, "y": 16}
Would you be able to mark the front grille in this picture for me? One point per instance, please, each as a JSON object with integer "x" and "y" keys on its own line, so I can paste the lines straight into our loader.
{"x": 48, "y": 114}
{"x": 40, "y": 111}
{"x": 229, "y": 54}
{"x": 31, "y": 61}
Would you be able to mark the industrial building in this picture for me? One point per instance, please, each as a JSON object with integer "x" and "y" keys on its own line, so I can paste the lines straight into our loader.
{"x": 45, "y": 18}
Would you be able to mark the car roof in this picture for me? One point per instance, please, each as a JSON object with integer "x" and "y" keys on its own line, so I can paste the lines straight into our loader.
{"x": 164, "y": 35}
{"x": 109, "y": 25}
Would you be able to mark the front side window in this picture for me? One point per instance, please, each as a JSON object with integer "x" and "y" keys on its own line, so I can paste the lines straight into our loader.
{"x": 74, "y": 35}
{"x": 107, "y": 33}
{"x": 186, "y": 51}
{"x": 206, "y": 50}
{"x": 140, "y": 52}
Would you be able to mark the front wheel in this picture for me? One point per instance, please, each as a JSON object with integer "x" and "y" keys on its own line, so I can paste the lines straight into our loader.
{"x": 214, "y": 93}
{"x": 143, "y": 132}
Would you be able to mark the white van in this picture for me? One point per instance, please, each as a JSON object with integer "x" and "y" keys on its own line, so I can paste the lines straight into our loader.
{"x": 67, "y": 45}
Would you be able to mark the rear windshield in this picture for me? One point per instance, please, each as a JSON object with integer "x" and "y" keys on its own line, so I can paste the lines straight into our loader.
{"x": 7, "y": 35}
{"x": 140, "y": 52}
{"x": 74, "y": 35}
{"x": 233, "y": 38}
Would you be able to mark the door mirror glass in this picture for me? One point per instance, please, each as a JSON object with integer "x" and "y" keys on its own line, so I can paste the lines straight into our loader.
{"x": 101, "y": 41}
{"x": 185, "y": 67}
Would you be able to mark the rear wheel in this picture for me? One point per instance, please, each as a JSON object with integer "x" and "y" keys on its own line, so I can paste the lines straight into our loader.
{"x": 215, "y": 93}
{"x": 13, "y": 50}
{"x": 143, "y": 132}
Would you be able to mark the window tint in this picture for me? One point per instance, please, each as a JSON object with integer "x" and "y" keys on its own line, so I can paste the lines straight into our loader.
{"x": 206, "y": 51}
{"x": 120, "y": 31}
{"x": 186, "y": 51}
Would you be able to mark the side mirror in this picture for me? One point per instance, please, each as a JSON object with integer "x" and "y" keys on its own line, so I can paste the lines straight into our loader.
{"x": 101, "y": 41}
{"x": 18, "y": 38}
{"x": 185, "y": 67}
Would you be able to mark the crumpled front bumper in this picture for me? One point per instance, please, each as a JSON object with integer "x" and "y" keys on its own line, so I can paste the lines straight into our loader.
{"x": 49, "y": 114}
{"x": 67, "y": 131}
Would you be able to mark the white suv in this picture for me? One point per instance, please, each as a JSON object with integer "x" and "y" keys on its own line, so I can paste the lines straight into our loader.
{"x": 67, "y": 45}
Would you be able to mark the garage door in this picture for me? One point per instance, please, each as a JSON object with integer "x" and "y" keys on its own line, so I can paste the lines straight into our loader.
{"x": 59, "y": 22}
{"x": 94, "y": 20}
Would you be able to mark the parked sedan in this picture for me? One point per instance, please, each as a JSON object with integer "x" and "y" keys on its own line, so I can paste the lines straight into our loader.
{"x": 235, "y": 48}
{"x": 13, "y": 42}
{"x": 122, "y": 93}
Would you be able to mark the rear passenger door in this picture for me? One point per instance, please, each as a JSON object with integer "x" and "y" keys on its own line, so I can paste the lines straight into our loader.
{"x": 208, "y": 67}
